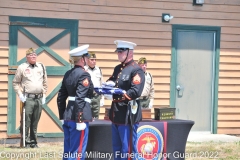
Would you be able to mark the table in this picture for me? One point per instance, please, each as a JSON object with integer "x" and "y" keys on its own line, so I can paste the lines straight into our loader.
{"x": 175, "y": 138}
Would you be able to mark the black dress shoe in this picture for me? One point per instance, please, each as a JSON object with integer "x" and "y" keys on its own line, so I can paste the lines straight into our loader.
{"x": 34, "y": 146}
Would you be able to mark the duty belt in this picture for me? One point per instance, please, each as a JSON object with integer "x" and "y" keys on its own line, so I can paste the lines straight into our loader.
{"x": 34, "y": 95}
{"x": 70, "y": 98}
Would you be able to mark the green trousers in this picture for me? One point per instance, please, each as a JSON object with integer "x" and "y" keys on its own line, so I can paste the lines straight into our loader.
{"x": 33, "y": 110}
{"x": 95, "y": 105}
{"x": 144, "y": 103}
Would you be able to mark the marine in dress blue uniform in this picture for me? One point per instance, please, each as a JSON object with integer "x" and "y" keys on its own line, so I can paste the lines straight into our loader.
{"x": 76, "y": 114}
{"x": 129, "y": 77}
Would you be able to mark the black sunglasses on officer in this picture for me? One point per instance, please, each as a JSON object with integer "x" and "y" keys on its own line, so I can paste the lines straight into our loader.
{"x": 120, "y": 50}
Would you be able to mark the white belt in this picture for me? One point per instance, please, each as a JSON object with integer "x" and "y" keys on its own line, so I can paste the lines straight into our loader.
{"x": 85, "y": 99}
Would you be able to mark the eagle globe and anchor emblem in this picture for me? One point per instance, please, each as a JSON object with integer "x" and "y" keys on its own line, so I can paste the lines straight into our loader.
{"x": 149, "y": 143}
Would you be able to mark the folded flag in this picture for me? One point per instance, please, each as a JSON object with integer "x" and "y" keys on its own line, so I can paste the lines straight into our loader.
{"x": 109, "y": 90}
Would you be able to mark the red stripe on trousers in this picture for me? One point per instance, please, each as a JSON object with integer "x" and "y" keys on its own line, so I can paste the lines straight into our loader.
{"x": 130, "y": 145}
{"x": 81, "y": 143}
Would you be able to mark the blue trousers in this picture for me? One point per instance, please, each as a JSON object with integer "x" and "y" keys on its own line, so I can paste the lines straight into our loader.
{"x": 121, "y": 141}
{"x": 75, "y": 141}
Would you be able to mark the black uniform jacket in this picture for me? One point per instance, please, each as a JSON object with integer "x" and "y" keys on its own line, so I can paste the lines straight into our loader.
{"x": 76, "y": 83}
{"x": 129, "y": 77}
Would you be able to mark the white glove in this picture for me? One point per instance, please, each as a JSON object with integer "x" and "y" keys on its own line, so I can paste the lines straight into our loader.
{"x": 102, "y": 101}
{"x": 80, "y": 126}
{"x": 109, "y": 83}
{"x": 43, "y": 99}
{"x": 108, "y": 96}
{"x": 62, "y": 121}
{"x": 150, "y": 104}
{"x": 22, "y": 97}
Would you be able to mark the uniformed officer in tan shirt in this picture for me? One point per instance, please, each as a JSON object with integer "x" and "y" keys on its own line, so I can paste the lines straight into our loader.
{"x": 97, "y": 79}
{"x": 30, "y": 84}
{"x": 147, "y": 97}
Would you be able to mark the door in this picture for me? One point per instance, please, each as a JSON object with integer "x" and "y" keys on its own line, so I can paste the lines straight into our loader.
{"x": 52, "y": 39}
{"x": 195, "y": 61}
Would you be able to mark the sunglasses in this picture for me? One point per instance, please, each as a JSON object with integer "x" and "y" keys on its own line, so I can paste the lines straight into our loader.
{"x": 121, "y": 49}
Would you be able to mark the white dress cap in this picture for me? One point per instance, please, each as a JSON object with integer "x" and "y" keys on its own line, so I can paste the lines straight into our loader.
{"x": 125, "y": 44}
{"x": 79, "y": 51}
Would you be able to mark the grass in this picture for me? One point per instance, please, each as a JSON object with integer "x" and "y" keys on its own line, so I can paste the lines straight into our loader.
{"x": 47, "y": 151}
{"x": 213, "y": 150}
{"x": 194, "y": 151}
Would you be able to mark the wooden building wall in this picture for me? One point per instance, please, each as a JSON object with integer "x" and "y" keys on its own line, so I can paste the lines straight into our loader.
{"x": 103, "y": 21}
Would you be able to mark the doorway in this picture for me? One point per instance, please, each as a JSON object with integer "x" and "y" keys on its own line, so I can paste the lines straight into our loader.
{"x": 194, "y": 75}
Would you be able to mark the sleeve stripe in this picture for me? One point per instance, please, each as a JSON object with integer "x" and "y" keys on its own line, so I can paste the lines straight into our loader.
{"x": 127, "y": 96}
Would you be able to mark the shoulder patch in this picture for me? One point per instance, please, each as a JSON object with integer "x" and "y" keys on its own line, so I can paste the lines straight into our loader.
{"x": 137, "y": 79}
{"x": 85, "y": 82}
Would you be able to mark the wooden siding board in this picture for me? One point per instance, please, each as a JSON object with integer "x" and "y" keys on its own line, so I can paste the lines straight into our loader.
{"x": 3, "y": 77}
{"x": 154, "y": 71}
{"x": 4, "y": 61}
{"x": 230, "y": 52}
{"x": 229, "y": 81}
{"x": 229, "y": 88}
{"x": 230, "y": 30}
{"x": 230, "y": 45}
{"x": 3, "y": 44}
{"x": 3, "y": 94}
{"x": 3, "y": 110}
{"x": 229, "y": 74}
{"x": 230, "y": 38}
{"x": 124, "y": 34}
{"x": 139, "y": 49}
{"x": 228, "y": 103}
{"x": 4, "y": 28}
{"x": 3, "y": 69}
{"x": 229, "y": 117}
{"x": 3, "y": 19}
{"x": 229, "y": 124}
{"x": 110, "y": 49}
{"x": 34, "y": 5}
{"x": 167, "y": 4}
{"x": 227, "y": 110}
{"x": 3, "y": 86}
{"x": 4, "y": 36}
{"x": 228, "y": 131}
{"x": 123, "y": 26}
{"x": 3, "y": 118}
{"x": 230, "y": 59}
{"x": 80, "y": 8}
{"x": 150, "y": 57}
{"x": 4, "y": 102}
{"x": 3, "y": 53}
{"x": 229, "y": 67}
{"x": 110, "y": 40}
{"x": 177, "y": 10}
{"x": 228, "y": 94}
{"x": 3, "y": 127}
{"x": 127, "y": 18}
{"x": 105, "y": 63}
